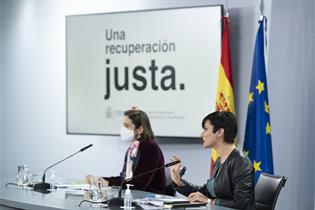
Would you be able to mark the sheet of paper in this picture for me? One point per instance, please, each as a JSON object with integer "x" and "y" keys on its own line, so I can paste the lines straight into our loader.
{"x": 75, "y": 192}
{"x": 74, "y": 186}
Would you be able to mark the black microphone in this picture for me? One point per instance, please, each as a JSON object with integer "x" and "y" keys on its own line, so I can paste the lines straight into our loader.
{"x": 85, "y": 148}
{"x": 43, "y": 187}
{"x": 171, "y": 163}
{"x": 119, "y": 201}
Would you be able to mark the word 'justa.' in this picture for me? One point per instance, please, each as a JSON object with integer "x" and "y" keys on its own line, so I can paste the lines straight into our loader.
{"x": 161, "y": 78}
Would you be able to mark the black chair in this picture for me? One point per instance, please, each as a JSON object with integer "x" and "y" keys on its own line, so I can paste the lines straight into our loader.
{"x": 267, "y": 191}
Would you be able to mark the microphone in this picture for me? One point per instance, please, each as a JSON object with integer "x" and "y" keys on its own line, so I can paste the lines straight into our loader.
{"x": 119, "y": 201}
{"x": 171, "y": 163}
{"x": 43, "y": 187}
{"x": 85, "y": 148}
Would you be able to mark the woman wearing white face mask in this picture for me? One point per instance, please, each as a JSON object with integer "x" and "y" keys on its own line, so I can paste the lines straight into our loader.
{"x": 143, "y": 154}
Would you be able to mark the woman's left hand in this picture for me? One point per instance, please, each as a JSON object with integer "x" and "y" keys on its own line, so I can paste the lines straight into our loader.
{"x": 197, "y": 197}
{"x": 175, "y": 172}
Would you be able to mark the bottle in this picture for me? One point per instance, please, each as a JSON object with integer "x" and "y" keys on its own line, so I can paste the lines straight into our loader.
{"x": 27, "y": 174}
{"x": 52, "y": 180}
{"x": 128, "y": 198}
{"x": 19, "y": 176}
{"x": 23, "y": 174}
{"x": 90, "y": 192}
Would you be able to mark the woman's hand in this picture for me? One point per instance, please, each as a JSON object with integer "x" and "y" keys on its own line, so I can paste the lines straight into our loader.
{"x": 175, "y": 172}
{"x": 96, "y": 181}
{"x": 90, "y": 179}
{"x": 197, "y": 197}
{"x": 103, "y": 182}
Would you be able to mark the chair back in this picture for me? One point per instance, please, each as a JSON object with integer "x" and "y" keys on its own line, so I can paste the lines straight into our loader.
{"x": 267, "y": 191}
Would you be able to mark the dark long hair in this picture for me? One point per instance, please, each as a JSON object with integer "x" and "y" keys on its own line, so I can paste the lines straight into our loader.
{"x": 139, "y": 118}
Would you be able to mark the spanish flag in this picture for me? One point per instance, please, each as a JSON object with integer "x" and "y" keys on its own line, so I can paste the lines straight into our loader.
{"x": 225, "y": 95}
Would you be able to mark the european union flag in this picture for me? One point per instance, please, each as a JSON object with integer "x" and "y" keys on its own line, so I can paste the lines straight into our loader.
{"x": 257, "y": 143}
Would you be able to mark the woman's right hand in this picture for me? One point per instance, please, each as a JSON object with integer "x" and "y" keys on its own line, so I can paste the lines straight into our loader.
{"x": 175, "y": 172}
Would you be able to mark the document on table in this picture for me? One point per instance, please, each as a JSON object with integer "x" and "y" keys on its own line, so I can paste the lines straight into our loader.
{"x": 75, "y": 192}
{"x": 74, "y": 186}
{"x": 160, "y": 202}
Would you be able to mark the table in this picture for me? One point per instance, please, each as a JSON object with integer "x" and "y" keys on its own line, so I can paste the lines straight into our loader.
{"x": 12, "y": 197}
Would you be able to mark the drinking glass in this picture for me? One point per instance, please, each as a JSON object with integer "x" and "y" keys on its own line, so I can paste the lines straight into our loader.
{"x": 113, "y": 192}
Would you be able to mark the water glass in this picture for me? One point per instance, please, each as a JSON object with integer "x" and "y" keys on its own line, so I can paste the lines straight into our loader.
{"x": 113, "y": 192}
{"x": 104, "y": 193}
{"x": 94, "y": 195}
{"x": 24, "y": 175}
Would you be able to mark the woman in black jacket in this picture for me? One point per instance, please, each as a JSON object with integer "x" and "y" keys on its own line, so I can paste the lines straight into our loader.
{"x": 231, "y": 183}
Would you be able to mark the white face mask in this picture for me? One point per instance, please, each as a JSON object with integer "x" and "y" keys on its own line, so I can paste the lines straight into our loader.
{"x": 126, "y": 134}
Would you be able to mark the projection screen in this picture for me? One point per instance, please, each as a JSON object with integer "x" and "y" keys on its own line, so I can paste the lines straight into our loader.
{"x": 166, "y": 62}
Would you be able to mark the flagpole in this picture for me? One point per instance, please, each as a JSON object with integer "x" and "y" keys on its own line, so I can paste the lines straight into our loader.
{"x": 262, "y": 8}
{"x": 226, "y": 14}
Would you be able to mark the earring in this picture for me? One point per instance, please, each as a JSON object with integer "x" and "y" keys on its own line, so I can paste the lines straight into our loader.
{"x": 138, "y": 136}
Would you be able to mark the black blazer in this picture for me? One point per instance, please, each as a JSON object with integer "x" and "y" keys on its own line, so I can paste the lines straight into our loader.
{"x": 233, "y": 185}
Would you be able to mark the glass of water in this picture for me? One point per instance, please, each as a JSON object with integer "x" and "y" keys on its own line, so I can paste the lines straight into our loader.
{"x": 113, "y": 192}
